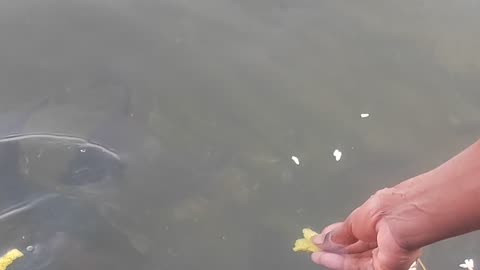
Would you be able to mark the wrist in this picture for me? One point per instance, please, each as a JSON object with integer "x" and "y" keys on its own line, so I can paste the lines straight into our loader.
{"x": 437, "y": 205}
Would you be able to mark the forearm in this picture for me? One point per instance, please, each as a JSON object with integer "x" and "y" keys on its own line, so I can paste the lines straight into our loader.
{"x": 440, "y": 204}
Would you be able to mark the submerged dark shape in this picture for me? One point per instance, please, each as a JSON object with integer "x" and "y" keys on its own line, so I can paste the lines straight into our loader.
{"x": 53, "y": 191}
{"x": 68, "y": 165}
{"x": 103, "y": 158}
{"x": 67, "y": 233}
{"x": 111, "y": 135}
{"x": 90, "y": 166}
{"x": 13, "y": 189}
{"x": 12, "y": 123}
{"x": 115, "y": 132}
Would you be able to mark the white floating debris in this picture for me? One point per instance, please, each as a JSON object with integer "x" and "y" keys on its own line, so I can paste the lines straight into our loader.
{"x": 468, "y": 264}
{"x": 296, "y": 160}
{"x": 83, "y": 150}
{"x": 364, "y": 115}
{"x": 337, "y": 154}
{"x": 30, "y": 248}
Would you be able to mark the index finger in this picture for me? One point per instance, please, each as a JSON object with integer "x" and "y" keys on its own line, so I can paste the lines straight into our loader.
{"x": 335, "y": 237}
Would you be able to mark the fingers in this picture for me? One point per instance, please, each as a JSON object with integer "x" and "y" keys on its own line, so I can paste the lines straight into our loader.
{"x": 325, "y": 242}
{"x": 335, "y": 237}
{"x": 329, "y": 260}
{"x": 360, "y": 247}
{"x": 331, "y": 227}
{"x": 369, "y": 260}
{"x": 359, "y": 225}
{"x": 389, "y": 254}
{"x": 382, "y": 260}
{"x": 342, "y": 235}
{"x": 344, "y": 262}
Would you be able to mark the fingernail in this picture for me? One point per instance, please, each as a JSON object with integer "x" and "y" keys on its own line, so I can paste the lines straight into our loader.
{"x": 318, "y": 239}
{"x": 329, "y": 245}
{"x": 321, "y": 239}
{"x": 328, "y": 238}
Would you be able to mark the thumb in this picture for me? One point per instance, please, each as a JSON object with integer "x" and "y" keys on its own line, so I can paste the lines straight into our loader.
{"x": 335, "y": 237}
{"x": 342, "y": 235}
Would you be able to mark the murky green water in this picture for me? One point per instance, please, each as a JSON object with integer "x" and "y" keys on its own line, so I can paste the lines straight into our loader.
{"x": 206, "y": 102}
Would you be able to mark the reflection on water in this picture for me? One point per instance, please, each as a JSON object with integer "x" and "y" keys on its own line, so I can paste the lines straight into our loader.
{"x": 206, "y": 102}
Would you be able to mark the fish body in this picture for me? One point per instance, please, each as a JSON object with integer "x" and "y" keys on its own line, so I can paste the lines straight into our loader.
{"x": 54, "y": 189}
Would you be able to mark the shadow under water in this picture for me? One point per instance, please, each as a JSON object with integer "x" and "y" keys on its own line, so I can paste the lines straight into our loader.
{"x": 56, "y": 232}
{"x": 55, "y": 190}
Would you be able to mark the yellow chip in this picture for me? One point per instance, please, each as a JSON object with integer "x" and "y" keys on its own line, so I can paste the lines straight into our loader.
{"x": 7, "y": 259}
{"x": 305, "y": 244}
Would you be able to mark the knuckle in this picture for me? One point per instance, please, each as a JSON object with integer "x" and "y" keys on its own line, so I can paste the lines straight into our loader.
{"x": 381, "y": 202}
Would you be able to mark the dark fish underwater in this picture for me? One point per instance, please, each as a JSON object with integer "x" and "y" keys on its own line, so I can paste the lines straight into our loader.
{"x": 52, "y": 192}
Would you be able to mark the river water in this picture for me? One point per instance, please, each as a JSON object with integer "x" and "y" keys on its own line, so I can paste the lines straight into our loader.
{"x": 207, "y": 102}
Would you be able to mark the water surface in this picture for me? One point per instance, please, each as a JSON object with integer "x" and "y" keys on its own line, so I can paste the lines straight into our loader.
{"x": 224, "y": 93}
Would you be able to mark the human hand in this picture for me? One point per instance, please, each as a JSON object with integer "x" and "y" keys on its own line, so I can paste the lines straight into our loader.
{"x": 364, "y": 240}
